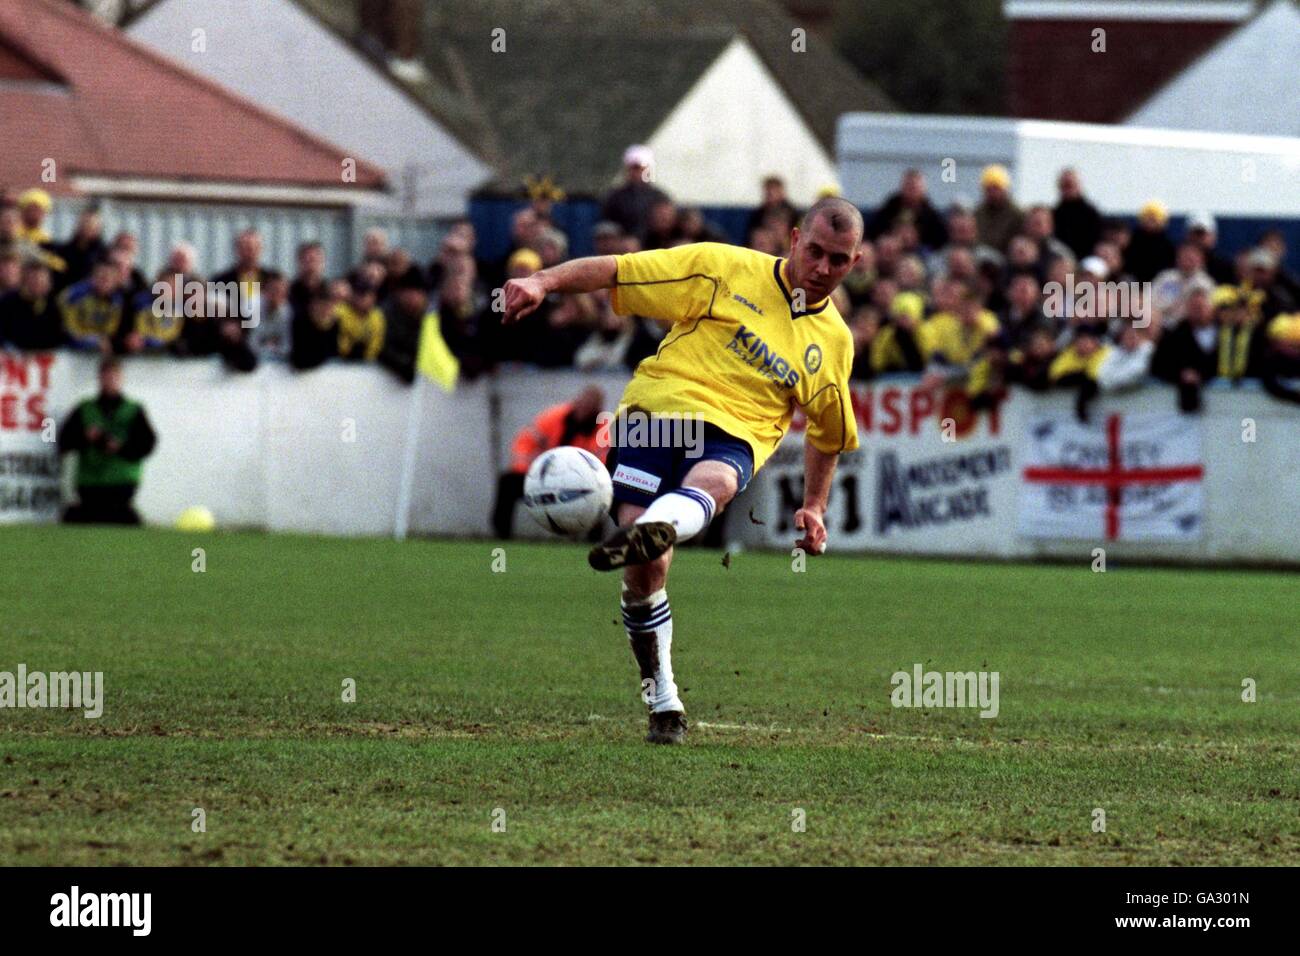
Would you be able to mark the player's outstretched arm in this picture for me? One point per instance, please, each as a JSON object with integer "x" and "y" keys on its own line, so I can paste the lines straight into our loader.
{"x": 576, "y": 275}
{"x": 818, "y": 470}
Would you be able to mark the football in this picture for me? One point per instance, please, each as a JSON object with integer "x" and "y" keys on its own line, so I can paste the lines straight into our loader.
{"x": 567, "y": 491}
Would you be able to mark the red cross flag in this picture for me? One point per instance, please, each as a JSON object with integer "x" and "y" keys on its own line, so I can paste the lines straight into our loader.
{"x": 1120, "y": 478}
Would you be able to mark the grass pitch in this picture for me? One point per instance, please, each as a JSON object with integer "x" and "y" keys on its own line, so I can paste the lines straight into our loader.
{"x": 512, "y": 697}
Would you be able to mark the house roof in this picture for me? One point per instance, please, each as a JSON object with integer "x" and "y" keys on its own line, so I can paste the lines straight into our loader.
{"x": 581, "y": 79}
{"x": 98, "y": 103}
{"x": 1246, "y": 83}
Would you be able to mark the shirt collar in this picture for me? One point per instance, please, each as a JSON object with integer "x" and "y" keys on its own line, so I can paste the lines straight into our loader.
{"x": 785, "y": 291}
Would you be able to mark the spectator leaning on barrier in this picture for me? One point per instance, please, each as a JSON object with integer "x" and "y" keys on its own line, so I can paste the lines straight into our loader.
{"x": 1187, "y": 356}
{"x": 1079, "y": 364}
{"x": 112, "y": 436}
{"x": 93, "y": 309}
{"x": 1171, "y": 286}
{"x": 1282, "y": 357}
{"x": 272, "y": 335}
{"x": 315, "y": 336}
{"x": 29, "y": 318}
{"x": 1127, "y": 364}
{"x": 309, "y": 280}
{"x": 404, "y": 320}
{"x": 1242, "y": 342}
{"x": 1076, "y": 221}
{"x": 360, "y": 323}
{"x": 574, "y": 423}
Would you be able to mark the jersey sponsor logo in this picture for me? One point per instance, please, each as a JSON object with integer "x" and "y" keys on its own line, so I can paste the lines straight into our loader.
{"x": 812, "y": 358}
{"x": 636, "y": 478}
{"x": 746, "y": 303}
{"x": 756, "y": 353}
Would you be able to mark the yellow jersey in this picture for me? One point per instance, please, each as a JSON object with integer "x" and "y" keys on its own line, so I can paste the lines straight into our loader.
{"x": 740, "y": 355}
{"x": 361, "y": 334}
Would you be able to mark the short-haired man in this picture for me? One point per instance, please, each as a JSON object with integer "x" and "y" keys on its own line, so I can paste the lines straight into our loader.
{"x": 752, "y": 336}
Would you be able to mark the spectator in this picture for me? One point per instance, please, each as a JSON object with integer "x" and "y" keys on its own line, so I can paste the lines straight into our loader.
{"x": 910, "y": 204}
{"x": 864, "y": 324}
{"x": 574, "y": 423}
{"x": 1150, "y": 251}
{"x": 1079, "y": 364}
{"x": 1202, "y": 231}
{"x": 404, "y": 319}
{"x": 1076, "y": 221}
{"x": 1128, "y": 363}
{"x": 86, "y": 246}
{"x": 244, "y": 278}
{"x": 618, "y": 342}
{"x": 29, "y": 318}
{"x": 473, "y": 333}
{"x": 693, "y": 227}
{"x": 182, "y": 260}
{"x": 1274, "y": 242}
{"x": 997, "y": 218}
{"x": 775, "y": 211}
{"x": 607, "y": 238}
{"x": 963, "y": 233}
{"x": 629, "y": 204}
{"x": 125, "y": 251}
{"x": 1112, "y": 258}
{"x": 112, "y": 436}
{"x": 1031, "y": 364}
{"x": 309, "y": 281}
{"x": 1266, "y": 294}
{"x": 1243, "y": 342}
{"x": 33, "y": 207}
{"x": 1188, "y": 355}
{"x": 272, "y": 335}
{"x": 1039, "y": 227}
{"x": 552, "y": 246}
{"x": 358, "y": 319}
{"x": 93, "y": 309}
{"x": 158, "y": 320}
{"x": 315, "y": 338}
{"x": 1023, "y": 315}
{"x": 1282, "y": 357}
{"x": 374, "y": 246}
{"x": 1171, "y": 286}
{"x": 958, "y": 345}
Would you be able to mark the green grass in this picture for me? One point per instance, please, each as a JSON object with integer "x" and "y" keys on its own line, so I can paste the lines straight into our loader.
{"x": 478, "y": 691}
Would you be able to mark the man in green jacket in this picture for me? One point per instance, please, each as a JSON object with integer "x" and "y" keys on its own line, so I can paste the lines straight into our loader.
{"x": 112, "y": 436}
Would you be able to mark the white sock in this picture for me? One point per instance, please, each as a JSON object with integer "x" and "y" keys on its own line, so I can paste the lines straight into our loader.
{"x": 689, "y": 510}
{"x": 649, "y": 623}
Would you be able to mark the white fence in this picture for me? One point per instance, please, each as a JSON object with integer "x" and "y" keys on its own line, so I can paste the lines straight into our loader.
{"x": 323, "y": 452}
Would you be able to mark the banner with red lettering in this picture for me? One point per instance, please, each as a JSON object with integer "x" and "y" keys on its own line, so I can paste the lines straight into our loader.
{"x": 1121, "y": 477}
{"x": 29, "y": 457}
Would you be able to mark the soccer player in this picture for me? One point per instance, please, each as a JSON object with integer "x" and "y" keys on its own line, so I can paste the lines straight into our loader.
{"x": 753, "y": 336}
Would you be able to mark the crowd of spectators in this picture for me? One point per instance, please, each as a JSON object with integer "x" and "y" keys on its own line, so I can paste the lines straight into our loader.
{"x": 982, "y": 296}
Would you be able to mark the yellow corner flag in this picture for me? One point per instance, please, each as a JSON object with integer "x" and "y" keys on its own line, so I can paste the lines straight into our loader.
{"x": 434, "y": 360}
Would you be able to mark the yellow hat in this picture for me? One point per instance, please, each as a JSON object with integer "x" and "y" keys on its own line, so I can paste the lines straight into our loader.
{"x": 36, "y": 197}
{"x": 1156, "y": 210}
{"x": 1224, "y": 296}
{"x": 526, "y": 258}
{"x": 1285, "y": 329}
{"x": 995, "y": 175}
{"x": 829, "y": 189}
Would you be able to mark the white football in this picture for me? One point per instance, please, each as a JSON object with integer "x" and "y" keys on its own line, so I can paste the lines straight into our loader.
{"x": 568, "y": 491}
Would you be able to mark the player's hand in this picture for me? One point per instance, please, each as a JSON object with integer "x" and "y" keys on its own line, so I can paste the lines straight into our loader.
{"x": 522, "y": 297}
{"x": 809, "y": 521}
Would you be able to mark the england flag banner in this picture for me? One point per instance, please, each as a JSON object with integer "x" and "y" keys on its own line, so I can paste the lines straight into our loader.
{"x": 1129, "y": 477}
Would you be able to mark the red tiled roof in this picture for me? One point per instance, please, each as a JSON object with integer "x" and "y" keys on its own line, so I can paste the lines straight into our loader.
{"x": 98, "y": 103}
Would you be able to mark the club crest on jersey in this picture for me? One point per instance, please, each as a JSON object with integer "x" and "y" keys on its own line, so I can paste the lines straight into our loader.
{"x": 758, "y": 355}
{"x": 812, "y": 358}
